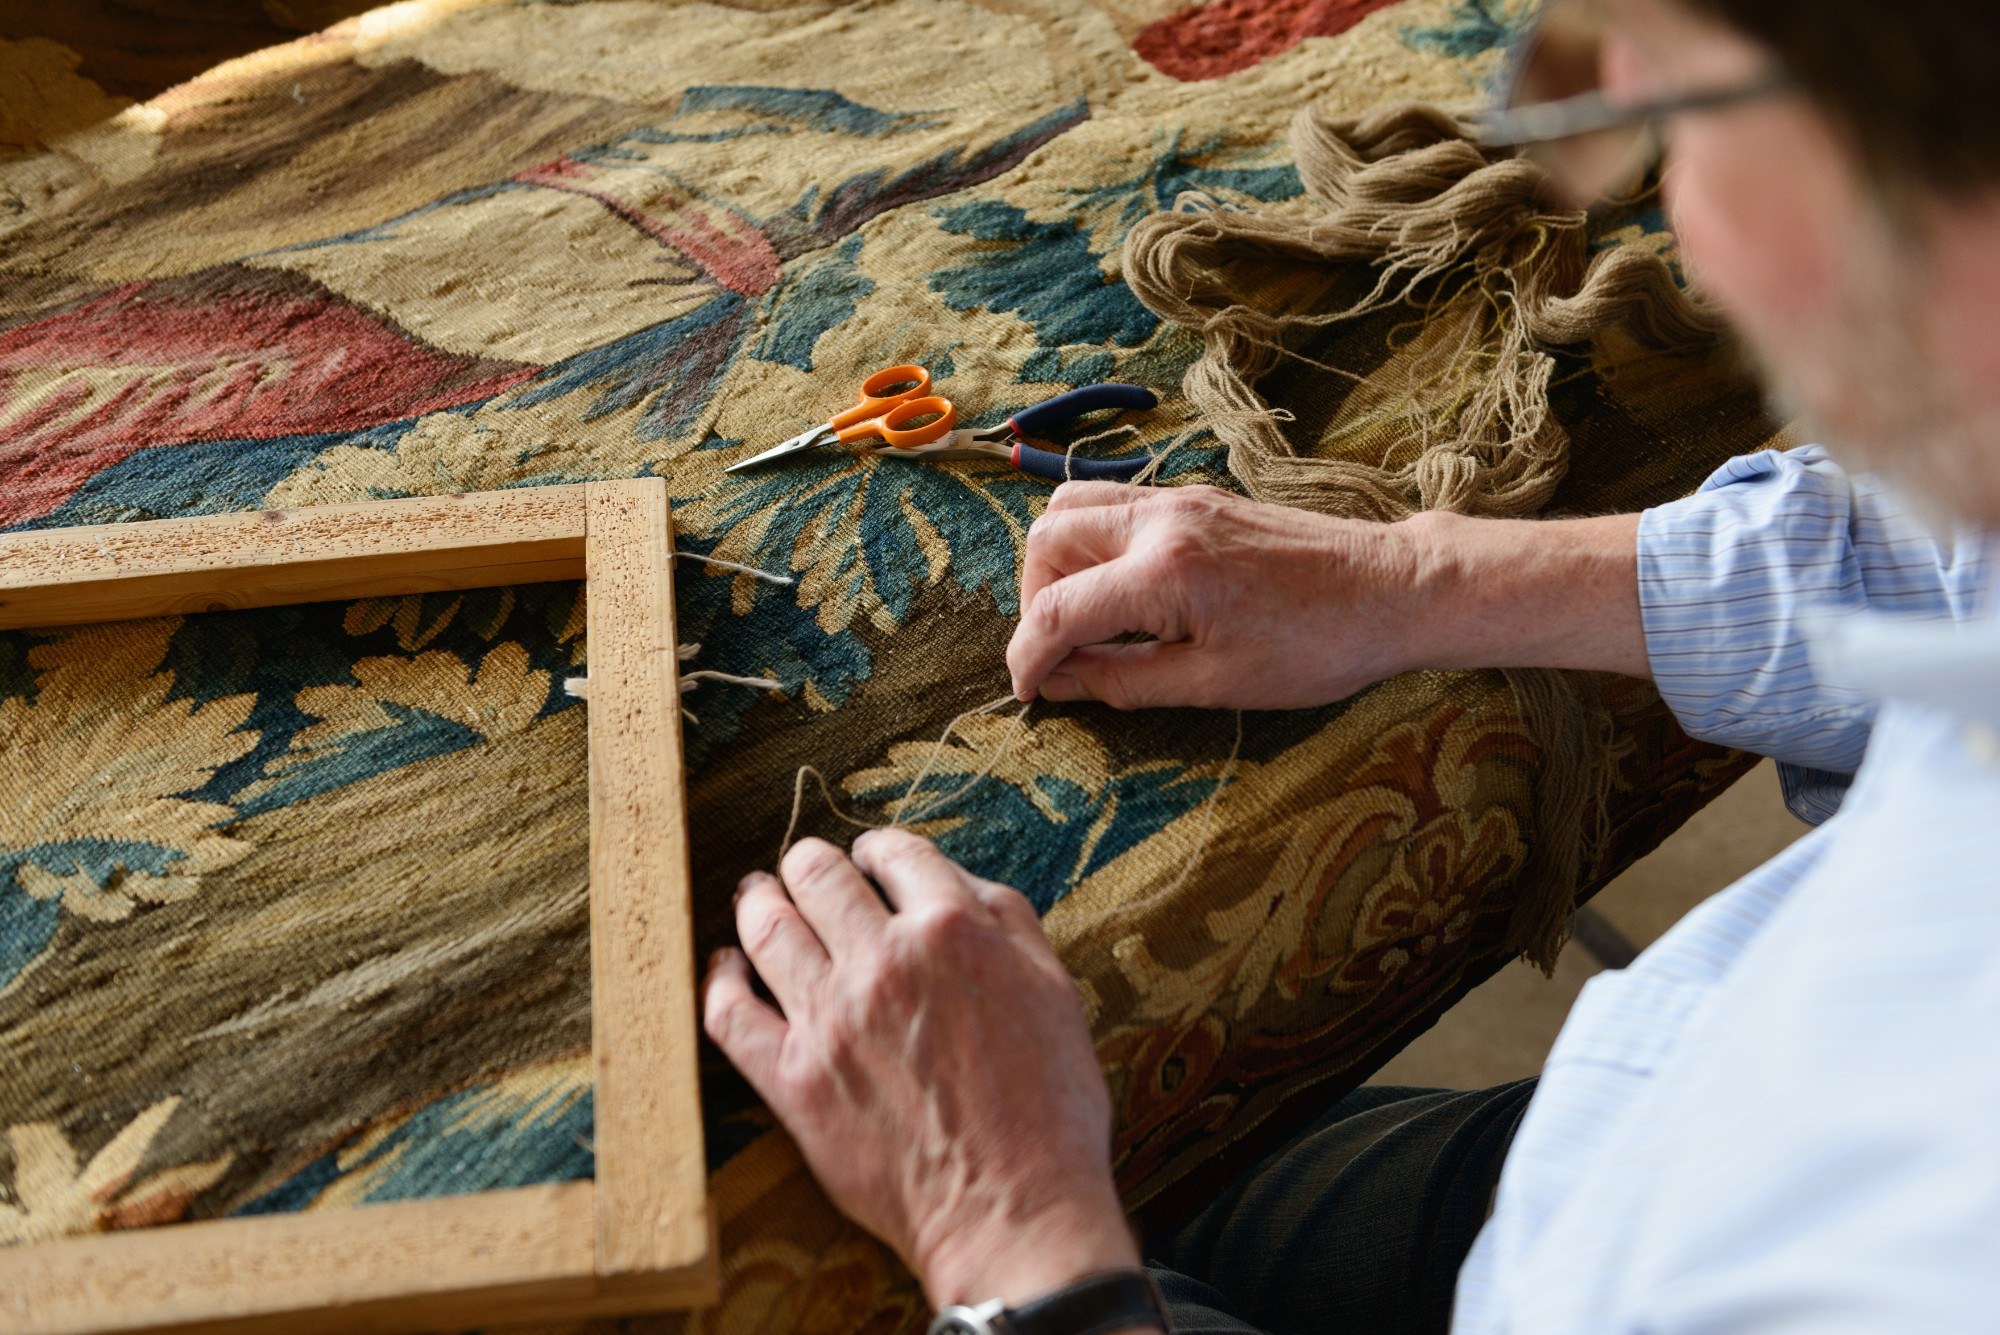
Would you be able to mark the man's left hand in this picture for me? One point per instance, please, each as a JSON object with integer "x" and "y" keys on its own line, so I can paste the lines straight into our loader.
{"x": 930, "y": 1055}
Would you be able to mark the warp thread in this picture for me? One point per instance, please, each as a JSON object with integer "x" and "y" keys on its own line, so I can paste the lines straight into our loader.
{"x": 1468, "y": 243}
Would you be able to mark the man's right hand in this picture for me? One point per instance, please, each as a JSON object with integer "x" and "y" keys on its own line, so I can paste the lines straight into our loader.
{"x": 1258, "y": 606}
{"x": 1251, "y": 606}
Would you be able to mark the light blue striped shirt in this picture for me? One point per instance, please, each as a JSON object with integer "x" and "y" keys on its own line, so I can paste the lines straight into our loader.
{"x": 1785, "y": 1115}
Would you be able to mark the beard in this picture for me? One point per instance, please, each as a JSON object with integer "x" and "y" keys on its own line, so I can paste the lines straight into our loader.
{"x": 1869, "y": 382}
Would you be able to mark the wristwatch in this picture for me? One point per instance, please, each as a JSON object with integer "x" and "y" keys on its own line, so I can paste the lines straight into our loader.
{"x": 1094, "y": 1305}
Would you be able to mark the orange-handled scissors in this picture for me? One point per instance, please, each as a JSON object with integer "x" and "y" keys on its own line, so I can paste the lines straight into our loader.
{"x": 891, "y": 401}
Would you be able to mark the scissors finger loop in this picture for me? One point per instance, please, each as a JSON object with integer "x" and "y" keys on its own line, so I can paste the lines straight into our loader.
{"x": 879, "y": 392}
{"x": 892, "y": 383}
{"x": 899, "y": 428}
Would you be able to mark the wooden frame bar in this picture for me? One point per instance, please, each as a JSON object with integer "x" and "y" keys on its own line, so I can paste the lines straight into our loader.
{"x": 265, "y": 558}
{"x": 640, "y": 1236}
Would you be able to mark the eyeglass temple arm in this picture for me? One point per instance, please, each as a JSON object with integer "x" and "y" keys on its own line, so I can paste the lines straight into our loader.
{"x": 1587, "y": 113}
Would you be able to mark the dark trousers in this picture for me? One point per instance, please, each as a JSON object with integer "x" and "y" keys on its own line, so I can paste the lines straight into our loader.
{"x": 1359, "y": 1223}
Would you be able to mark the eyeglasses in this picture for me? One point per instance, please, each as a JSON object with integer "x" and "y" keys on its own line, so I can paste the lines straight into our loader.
{"x": 1557, "y": 113}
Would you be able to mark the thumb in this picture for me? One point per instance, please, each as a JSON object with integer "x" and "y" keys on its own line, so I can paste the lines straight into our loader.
{"x": 1129, "y": 676}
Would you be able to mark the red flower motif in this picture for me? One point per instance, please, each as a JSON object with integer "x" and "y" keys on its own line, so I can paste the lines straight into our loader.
{"x": 1209, "y": 41}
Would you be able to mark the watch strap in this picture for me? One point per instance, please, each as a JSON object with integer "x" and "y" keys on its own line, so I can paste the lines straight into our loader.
{"x": 1094, "y": 1305}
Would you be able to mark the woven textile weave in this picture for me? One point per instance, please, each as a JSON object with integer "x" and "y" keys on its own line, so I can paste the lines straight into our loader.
{"x": 292, "y": 902}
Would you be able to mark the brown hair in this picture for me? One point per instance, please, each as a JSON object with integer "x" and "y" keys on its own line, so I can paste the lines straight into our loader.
{"x": 1915, "y": 83}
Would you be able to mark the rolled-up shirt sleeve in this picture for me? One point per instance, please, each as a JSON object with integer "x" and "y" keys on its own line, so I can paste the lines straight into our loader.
{"x": 1727, "y": 575}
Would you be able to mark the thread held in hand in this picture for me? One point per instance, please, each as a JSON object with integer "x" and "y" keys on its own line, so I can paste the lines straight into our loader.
{"x": 900, "y": 810}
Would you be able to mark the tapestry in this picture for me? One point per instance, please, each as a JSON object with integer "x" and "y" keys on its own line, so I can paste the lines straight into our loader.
{"x": 293, "y": 901}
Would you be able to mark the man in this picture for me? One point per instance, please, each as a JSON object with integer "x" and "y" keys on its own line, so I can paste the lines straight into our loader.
{"x": 1782, "y": 1116}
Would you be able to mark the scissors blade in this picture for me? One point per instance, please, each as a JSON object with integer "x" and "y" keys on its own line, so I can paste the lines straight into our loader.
{"x": 805, "y": 440}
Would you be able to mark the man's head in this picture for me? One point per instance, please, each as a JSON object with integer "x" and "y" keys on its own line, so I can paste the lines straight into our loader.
{"x": 1851, "y": 230}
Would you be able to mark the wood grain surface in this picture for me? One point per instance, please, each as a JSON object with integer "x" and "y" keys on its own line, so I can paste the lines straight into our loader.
{"x": 375, "y": 1268}
{"x": 652, "y": 1212}
{"x": 266, "y": 558}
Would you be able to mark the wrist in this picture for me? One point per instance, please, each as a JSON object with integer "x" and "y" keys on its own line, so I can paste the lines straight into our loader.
{"x": 1113, "y": 1302}
{"x": 1446, "y": 580}
{"x": 1526, "y": 593}
{"x": 1019, "y": 1259}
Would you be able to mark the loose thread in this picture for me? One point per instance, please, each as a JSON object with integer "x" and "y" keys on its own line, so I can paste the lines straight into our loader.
{"x": 901, "y": 806}
{"x": 1000, "y": 750}
{"x": 737, "y": 566}
{"x": 903, "y": 815}
{"x": 1149, "y": 476}
{"x": 833, "y": 805}
{"x": 1070, "y": 453}
{"x": 689, "y": 680}
{"x": 1296, "y": 355}
{"x": 579, "y": 687}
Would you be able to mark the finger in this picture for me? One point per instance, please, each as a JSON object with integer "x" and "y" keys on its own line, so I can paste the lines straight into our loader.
{"x": 1088, "y": 607}
{"x": 1082, "y": 495}
{"x": 835, "y": 899}
{"x": 1131, "y": 676}
{"x": 1009, "y": 904}
{"x": 746, "y": 1028}
{"x": 788, "y": 956}
{"x": 1063, "y": 542}
{"x": 910, "y": 869}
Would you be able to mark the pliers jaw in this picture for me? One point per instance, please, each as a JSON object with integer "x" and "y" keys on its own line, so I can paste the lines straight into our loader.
{"x": 993, "y": 442}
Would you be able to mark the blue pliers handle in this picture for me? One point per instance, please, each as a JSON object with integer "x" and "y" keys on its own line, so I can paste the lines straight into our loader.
{"x": 1067, "y": 408}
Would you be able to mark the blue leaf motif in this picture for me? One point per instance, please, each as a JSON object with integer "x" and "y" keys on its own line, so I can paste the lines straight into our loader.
{"x": 465, "y": 1142}
{"x": 1055, "y": 366}
{"x": 417, "y": 734}
{"x": 810, "y": 300}
{"x": 913, "y": 519}
{"x": 99, "y": 859}
{"x": 671, "y": 366}
{"x": 813, "y": 108}
{"x": 775, "y": 636}
{"x": 27, "y": 925}
{"x": 1007, "y": 836}
{"x": 1179, "y": 168}
{"x": 1044, "y": 272}
{"x": 1473, "y": 28}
